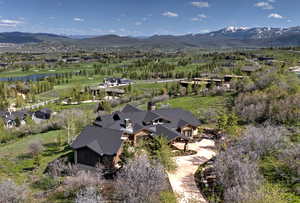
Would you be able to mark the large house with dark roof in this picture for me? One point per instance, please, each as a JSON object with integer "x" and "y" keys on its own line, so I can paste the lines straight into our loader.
{"x": 13, "y": 119}
{"x": 102, "y": 142}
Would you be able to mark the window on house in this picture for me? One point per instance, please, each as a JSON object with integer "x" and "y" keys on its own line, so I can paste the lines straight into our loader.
{"x": 187, "y": 133}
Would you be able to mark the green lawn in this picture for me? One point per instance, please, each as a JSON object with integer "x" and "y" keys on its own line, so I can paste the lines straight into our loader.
{"x": 196, "y": 103}
{"x": 16, "y": 164}
{"x": 141, "y": 85}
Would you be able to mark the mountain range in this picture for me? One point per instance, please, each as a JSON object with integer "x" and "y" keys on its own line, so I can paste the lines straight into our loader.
{"x": 230, "y": 37}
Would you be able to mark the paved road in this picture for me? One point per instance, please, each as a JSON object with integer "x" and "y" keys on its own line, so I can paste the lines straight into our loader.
{"x": 37, "y": 105}
{"x": 159, "y": 81}
{"x": 182, "y": 180}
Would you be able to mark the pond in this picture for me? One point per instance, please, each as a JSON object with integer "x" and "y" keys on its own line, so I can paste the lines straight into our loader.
{"x": 35, "y": 77}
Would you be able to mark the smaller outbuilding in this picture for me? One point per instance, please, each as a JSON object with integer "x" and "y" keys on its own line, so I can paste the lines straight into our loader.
{"x": 43, "y": 114}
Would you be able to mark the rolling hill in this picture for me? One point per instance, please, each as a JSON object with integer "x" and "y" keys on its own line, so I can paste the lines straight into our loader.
{"x": 230, "y": 37}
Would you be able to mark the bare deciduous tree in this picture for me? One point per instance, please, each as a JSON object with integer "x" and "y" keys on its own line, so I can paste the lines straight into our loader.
{"x": 258, "y": 141}
{"x": 238, "y": 178}
{"x": 12, "y": 193}
{"x": 35, "y": 147}
{"x": 73, "y": 121}
{"x": 236, "y": 168}
{"x": 140, "y": 180}
{"x": 88, "y": 195}
{"x": 291, "y": 156}
{"x": 81, "y": 180}
{"x": 60, "y": 167}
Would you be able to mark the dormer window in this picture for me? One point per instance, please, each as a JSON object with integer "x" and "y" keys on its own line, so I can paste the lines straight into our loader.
{"x": 128, "y": 124}
{"x": 158, "y": 122}
{"x": 116, "y": 117}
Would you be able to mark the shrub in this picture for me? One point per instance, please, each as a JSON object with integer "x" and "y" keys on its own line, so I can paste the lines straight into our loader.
{"x": 46, "y": 183}
{"x": 164, "y": 154}
{"x": 167, "y": 197}
{"x": 12, "y": 193}
{"x": 237, "y": 168}
{"x": 60, "y": 168}
{"x": 238, "y": 178}
{"x": 261, "y": 141}
{"x": 35, "y": 147}
{"x": 270, "y": 193}
{"x": 81, "y": 180}
{"x": 88, "y": 195}
{"x": 140, "y": 180}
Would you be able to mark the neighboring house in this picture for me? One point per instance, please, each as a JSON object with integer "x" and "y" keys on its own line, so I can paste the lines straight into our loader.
{"x": 295, "y": 69}
{"x": 113, "y": 93}
{"x": 103, "y": 141}
{"x": 13, "y": 119}
{"x": 249, "y": 69}
{"x": 209, "y": 80}
{"x": 43, "y": 114}
{"x": 111, "y": 82}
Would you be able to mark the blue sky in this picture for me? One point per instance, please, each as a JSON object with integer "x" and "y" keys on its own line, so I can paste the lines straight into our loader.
{"x": 143, "y": 17}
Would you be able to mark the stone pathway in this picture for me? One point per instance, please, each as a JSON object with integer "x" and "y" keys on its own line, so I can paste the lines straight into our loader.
{"x": 182, "y": 180}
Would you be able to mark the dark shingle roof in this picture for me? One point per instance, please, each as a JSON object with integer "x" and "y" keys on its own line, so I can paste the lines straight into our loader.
{"x": 129, "y": 108}
{"x": 167, "y": 133}
{"x": 105, "y": 136}
{"x": 150, "y": 116}
{"x": 100, "y": 140}
{"x": 176, "y": 118}
{"x": 182, "y": 123}
{"x": 176, "y": 115}
{"x": 7, "y": 116}
{"x": 46, "y": 110}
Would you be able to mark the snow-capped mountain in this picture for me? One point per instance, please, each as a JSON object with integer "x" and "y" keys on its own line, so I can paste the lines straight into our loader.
{"x": 255, "y": 33}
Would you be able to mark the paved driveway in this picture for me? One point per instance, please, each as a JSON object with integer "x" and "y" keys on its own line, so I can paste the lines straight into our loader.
{"x": 182, "y": 180}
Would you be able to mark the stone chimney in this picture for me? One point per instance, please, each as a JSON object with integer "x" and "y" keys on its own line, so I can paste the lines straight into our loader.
{"x": 128, "y": 124}
{"x": 151, "y": 106}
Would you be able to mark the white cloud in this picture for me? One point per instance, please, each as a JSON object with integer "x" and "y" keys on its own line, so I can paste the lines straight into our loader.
{"x": 138, "y": 23}
{"x": 264, "y": 5}
{"x": 275, "y": 15}
{"x": 10, "y": 23}
{"x": 195, "y": 19}
{"x": 78, "y": 19}
{"x": 199, "y": 17}
{"x": 203, "y": 16}
{"x": 289, "y": 20}
{"x": 200, "y": 4}
{"x": 272, "y": 1}
{"x": 170, "y": 14}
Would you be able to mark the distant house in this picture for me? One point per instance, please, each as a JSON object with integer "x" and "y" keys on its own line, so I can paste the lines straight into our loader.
{"x": 3, "y": 64}
{"x": 295, "y": 69}
{"x": 43, "y": 114}
{"x": 111, "y": 82}
{"x": 113, "y": 93}
{"x": 264, "y": 58}
{"x": 249, "y": 69}
{"x": 71, "y": 60}
{"x": 103, "y": 141}
{"x": 14, "y": 119}
{"x": 51, "y": 60}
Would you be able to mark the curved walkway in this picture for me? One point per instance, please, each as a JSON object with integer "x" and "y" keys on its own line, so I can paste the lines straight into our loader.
{"x": 182, "y": 179}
